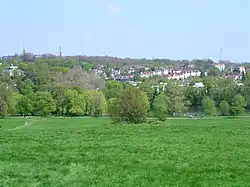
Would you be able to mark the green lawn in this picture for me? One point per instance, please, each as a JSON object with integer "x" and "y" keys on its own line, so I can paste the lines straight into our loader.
{"x": 94, "y": 152}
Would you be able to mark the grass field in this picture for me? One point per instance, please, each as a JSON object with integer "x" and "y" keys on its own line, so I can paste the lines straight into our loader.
{"x": 94, "y": 152}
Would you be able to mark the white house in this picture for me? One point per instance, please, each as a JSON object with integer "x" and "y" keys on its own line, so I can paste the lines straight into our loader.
{"x": 146, "y": 74}
{"x": 157, "y": 73}
{"x": 165, "y": 72}
{"x": 221, "y": 67}
{"x": 10, "y": 71}
{"x": 242, "y": 69}
{"x": 198, "y": 85}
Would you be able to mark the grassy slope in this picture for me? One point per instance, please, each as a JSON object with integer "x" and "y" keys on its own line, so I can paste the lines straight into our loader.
{"x": 93, "y": 152}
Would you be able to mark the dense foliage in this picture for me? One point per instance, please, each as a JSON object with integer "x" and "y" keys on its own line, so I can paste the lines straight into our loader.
{"x": 160, "y": 107}
{"x": 68, "y": 86}
{"x": 131, "y": 105}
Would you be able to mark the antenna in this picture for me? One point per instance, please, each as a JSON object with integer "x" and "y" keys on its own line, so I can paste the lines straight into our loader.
{"x": 60, "y": 50}
{"x": 221, "y": 51}
{"x": 24, "y": 52}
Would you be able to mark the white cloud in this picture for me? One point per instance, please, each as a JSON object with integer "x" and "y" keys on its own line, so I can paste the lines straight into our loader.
{"x": 114, "y": 9}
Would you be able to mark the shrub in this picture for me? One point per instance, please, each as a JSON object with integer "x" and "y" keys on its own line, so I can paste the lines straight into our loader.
{"x": 112, "y": 106}
{"x": 130, "y": 106}
{"x": 160, "y": 107}
{"x": 208, "y": 106}
{"x": 224, "y": 108}
{"x": 238, "y": 106}
{"x": 98, "y": 104}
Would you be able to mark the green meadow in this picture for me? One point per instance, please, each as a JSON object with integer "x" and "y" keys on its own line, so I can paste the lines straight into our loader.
{"x": 94, "y": 152}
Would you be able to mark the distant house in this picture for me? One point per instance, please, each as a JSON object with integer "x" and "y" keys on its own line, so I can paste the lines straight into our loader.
{"x": 165, "y": 72}
{"x": 157, "y": 73}
{"x": 146, "y": 74}
{"x": 238, "y": 68}
{"x": 221, "y": 67}
{"x": 11, "y": 70}
{"x": 239, "y": 84}
{"x": 242, "y": 69}
{"x": 157, "y": 88}
{"x": 13, "y": 67}
{"x": 133, "y": 83}
{"x": 198, "y": 85}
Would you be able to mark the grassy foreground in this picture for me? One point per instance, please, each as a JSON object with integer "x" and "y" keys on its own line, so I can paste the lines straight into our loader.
{"x": 94, "y": 152}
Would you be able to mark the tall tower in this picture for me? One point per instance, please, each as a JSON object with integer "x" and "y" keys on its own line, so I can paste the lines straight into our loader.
{"x": 24, "y": 51}
{"x": 221, "y": 51}
{"x": 60, "y": 51}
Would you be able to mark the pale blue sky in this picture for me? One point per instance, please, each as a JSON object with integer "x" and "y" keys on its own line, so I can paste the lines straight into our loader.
{"x": 176, "y": 29}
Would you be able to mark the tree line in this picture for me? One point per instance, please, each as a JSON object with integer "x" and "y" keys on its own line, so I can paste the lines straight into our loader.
{"x": 38, "y": 88}
{"x": 134, "y": 104}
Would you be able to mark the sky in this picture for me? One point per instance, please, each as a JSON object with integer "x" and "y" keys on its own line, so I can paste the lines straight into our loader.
{"x": 173, "y": 29}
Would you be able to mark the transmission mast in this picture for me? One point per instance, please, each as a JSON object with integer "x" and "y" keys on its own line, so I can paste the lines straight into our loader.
{"x": 60, "y": 51}
{"x": 221, "y": 51}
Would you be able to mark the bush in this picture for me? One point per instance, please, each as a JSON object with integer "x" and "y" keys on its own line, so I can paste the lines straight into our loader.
{"x": 130, "y": 106}
{"x": 208, "y": 106}
{"x": 45, "y": 104}
{"x": 224, "y": 108}
{"x": 238, "y": 106}
{"x": 112, "y": 106}
{"x": 98, "y": 103}
{"x": 76, "y": 103}
{"x": 160, "y": 107}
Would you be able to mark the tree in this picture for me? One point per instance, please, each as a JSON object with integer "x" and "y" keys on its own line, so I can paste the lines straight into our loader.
{"x": 229, "y": 92}
{"x": 214, "y": 72}
{"x": 246, "y": 94}
{"x": 246, "y": 89}
{"x": 195, "y": 96}
{"x": 45, "y": 104}
{"x": 86, "y": 66}
{"x": 224, "y": 108}
{"x": 98, "y": 104}
{"x": 58, "y": 93}
{"x": 238, "y": 106}
{"x": 202, "y": 74}
{"x": 112, "y": 106}
{"x": 160, "y": 107}
{"x": 5, "y": 100}
{"x": 112, "y": 89}
{"x": 78, "y": 77}
{"x": 243, "y": 77}
{"x": 216, "y": 93}
{"x": 138, "y": 77}
{"x": 131, "y": 106}
{"x": 146, "y": 87}
{"x": 177, "y": 101}
{"x": 26, "y": 104}
{"x": 247, "y": 80}
{"x": 208, "y": 106}
{"x": 208, "y": 82}
{"x": 38, "y": 73}
{"x": 14, "y": 103}
{"x": 1, "y": 68}
{"x": 26, "y": 86}
{"x": 77, "y": 103}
